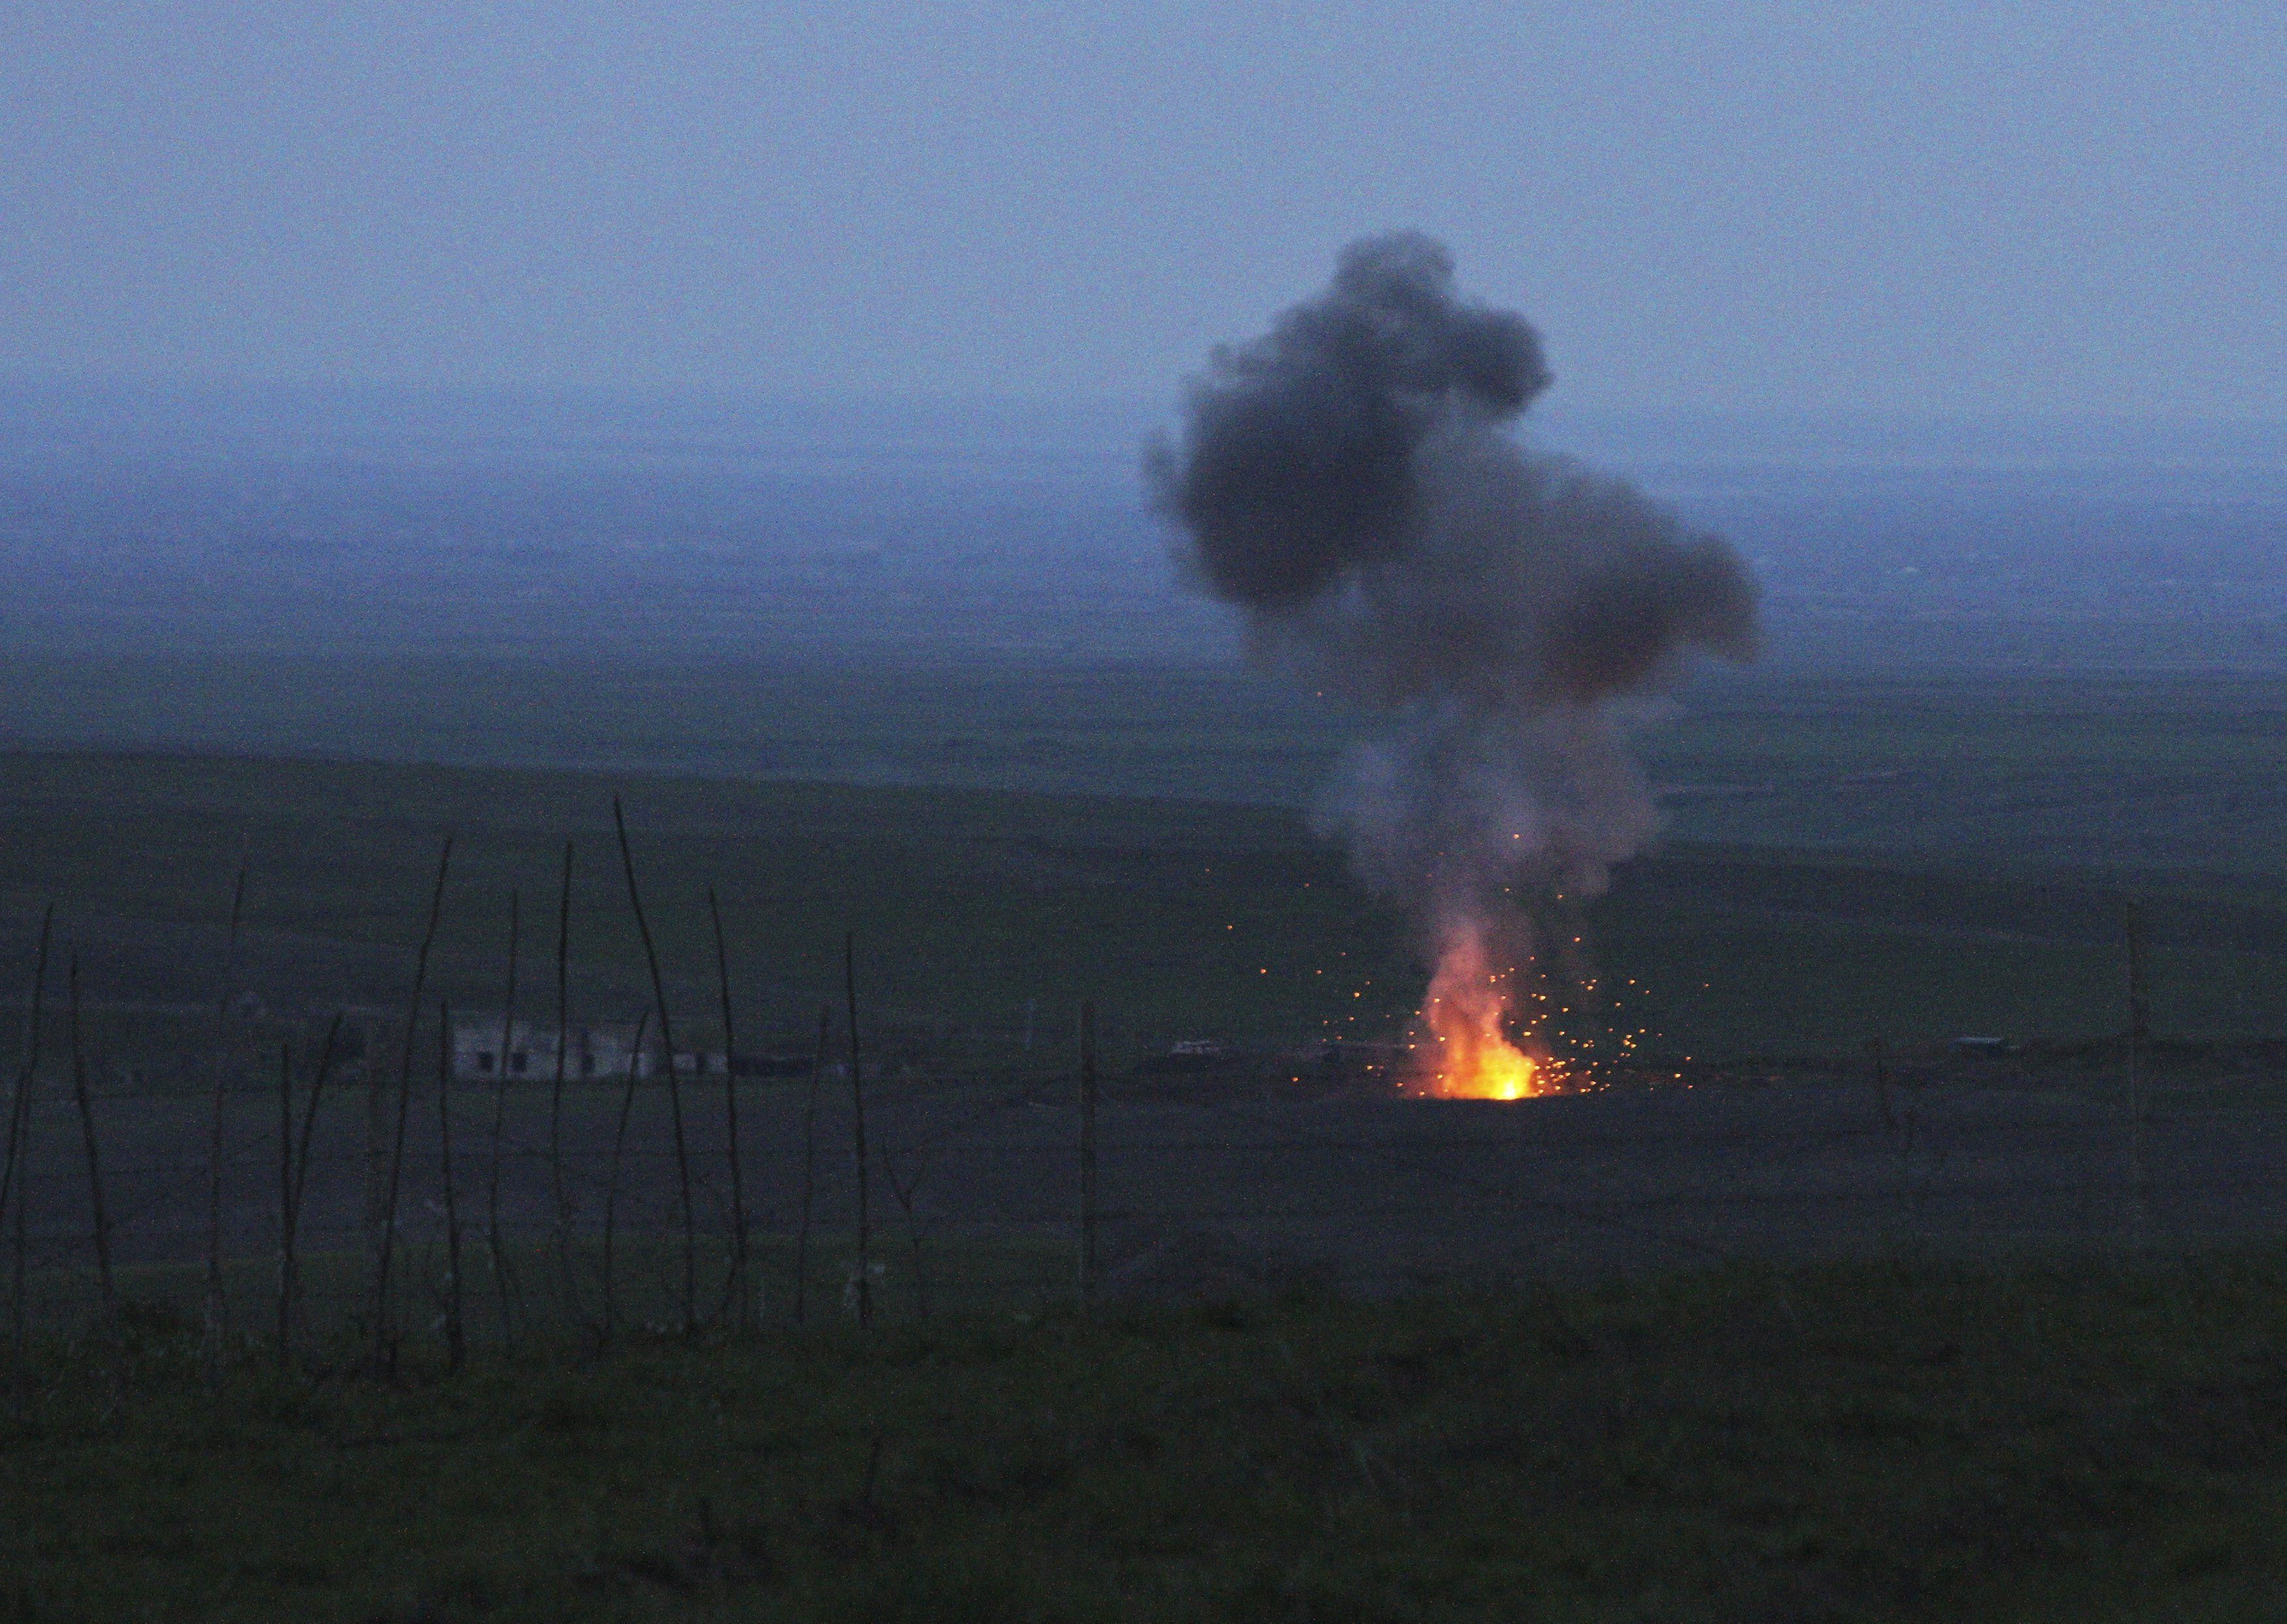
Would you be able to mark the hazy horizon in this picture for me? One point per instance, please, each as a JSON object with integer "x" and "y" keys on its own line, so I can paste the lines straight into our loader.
{"x": 49, "y": 422}
{"x": 684, "y": 526}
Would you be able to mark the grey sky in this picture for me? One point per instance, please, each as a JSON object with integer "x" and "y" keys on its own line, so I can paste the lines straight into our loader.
{"x": 1930, "y": 207}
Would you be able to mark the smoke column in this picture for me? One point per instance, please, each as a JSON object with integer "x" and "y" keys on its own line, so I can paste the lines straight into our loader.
{"x": 1347, "y": 481}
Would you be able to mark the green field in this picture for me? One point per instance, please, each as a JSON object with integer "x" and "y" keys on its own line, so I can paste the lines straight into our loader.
{"x": 1906, "y": 1438}
{"x": 977, "y": 913}
{"x": 1882, "y": 1443}
{"x": 2129, "y": 771}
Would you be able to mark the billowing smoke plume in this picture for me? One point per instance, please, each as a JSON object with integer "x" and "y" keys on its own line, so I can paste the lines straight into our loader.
{"x": 1347, "y": 480}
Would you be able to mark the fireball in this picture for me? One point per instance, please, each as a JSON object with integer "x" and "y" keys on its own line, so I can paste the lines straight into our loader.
{"x": 1470, "y": 1054}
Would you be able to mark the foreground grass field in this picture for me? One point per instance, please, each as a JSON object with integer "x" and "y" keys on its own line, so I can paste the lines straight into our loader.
{"x": 1877, "y": 1443}
{"x": 2104, "y": 1438}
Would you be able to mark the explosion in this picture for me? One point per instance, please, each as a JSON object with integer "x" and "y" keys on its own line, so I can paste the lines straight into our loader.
{"x": 1349, "y": 482}
{"x": 1467, "y": 1015}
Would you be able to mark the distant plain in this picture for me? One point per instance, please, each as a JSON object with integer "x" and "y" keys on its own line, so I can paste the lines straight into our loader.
{"x": 931, "y": 674}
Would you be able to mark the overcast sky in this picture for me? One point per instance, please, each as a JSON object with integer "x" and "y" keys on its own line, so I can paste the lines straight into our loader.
{"x": 2049, "y": 208}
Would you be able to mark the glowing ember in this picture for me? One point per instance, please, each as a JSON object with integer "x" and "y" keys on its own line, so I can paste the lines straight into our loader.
{"x": 1469, "y": 1055}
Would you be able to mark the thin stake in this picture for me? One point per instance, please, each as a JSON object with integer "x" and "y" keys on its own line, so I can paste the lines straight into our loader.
{"x": 457, "y": 1342}
{"x": 810, "y": 1163}
{"x": 94, "y": 1162}
{"x": 1879, "y": 1060}
{"x": 857, "y": 1124}
{"x": 2139, "y": 1022}
{"x": 612, "y": 1188}
{"x": 18, "y": 1174}
{"x": 2140, "y": 1008}
{"x": 19, "y": 1315}
{"x": 1087, "y": 1152}
{"x": 556, "y": 1095}
{"x": 329, "y": 1052}
{"x": 741, "y": 1285}
{"x": 216, "y": 1307}
{"x": 384, "y": 1347}
{"x": 903, "y": 1191}
{"x": 674, "y": 1086}
{"x": 285, "y": 1207}
{"x": 17, "y": 1101}
{"x": 499, "y": 1256}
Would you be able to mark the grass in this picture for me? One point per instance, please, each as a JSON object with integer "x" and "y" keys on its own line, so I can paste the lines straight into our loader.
{"x": 1883, "y": 1443}
{"x": 1896, "y": 1441}
{"x": 965, "y": 905}
{"x": 983, "y": 911}
{"x": 2126, "y": 770}
{"x": 967, "y": 1274}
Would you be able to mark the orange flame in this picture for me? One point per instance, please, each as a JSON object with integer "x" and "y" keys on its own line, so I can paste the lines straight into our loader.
{"x": 1470, "y": 1056}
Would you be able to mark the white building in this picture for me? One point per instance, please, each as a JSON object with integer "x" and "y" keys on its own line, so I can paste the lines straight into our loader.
{"x": 593, "y": 1050}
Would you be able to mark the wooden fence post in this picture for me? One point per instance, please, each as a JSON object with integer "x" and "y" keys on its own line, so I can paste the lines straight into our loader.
{"x": 742, "y": 1294}
{"x": 810, "y": 1163}
{"x": 18, "y": 1173}
{"x": 1087, "y": 1153}
{"x": 385, "y": 1344}
{"x": 456, "y": 1342}
{"x": 327, "y": 1054}
{"x": 563, "y": 1232}
{"x": 217, "y": 1307}
{"x": 1878, "y": 1060}
{"x": 674, "y": 1083}
{"x": 496, "y": 1250}
{"x": 2140, "y": 1022}
{"x": 285, "y": 1207}
{"x": 101, "y": 1212}
{"x": 857, "y": 1123}
{"x": 611, "y": 1187}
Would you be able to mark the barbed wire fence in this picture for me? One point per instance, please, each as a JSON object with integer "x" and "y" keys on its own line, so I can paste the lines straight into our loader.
{"x": 319, "y": 1192}
{"x": 983, "y": 1200}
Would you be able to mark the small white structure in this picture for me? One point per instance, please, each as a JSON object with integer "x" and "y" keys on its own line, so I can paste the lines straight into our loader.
{"x": 487, "y": 1048}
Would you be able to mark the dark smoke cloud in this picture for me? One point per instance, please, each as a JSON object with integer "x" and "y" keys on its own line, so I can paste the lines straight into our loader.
{"x": 1348, "y": 480}
{"x": 1299, "y": 464}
